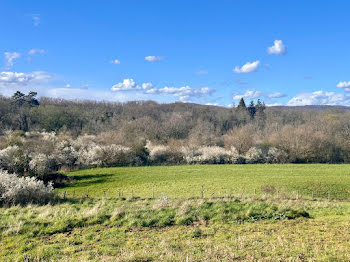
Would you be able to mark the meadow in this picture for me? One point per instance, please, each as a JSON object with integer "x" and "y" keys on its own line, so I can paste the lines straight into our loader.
{"x": 186, "y": 181}
{"x": 261, "y": 219}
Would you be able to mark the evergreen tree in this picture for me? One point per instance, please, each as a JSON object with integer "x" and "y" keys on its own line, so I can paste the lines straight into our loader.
{"x": 241, "y": 104}
{"x": 22, "y": 105}
{"x": 31, "y": 99}
{"x": 260, "y": 106}
{"x": 251, "y": 109}
{"x": 19, "y": 99}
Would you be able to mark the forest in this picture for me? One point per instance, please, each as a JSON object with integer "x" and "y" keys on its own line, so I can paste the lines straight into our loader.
{"x": 43, "y": 136}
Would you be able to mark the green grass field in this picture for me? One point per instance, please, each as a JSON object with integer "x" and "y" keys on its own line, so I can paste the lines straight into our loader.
{"x": 217, "y": 180}
{"x": 245, "y": 227}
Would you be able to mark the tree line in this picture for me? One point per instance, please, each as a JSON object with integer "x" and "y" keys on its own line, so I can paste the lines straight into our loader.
{"x": 304, "y": 134}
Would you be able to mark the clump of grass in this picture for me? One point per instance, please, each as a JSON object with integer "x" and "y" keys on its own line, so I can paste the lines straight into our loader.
{"x": 268, "y": 189}
{"x": 61, "y": 218}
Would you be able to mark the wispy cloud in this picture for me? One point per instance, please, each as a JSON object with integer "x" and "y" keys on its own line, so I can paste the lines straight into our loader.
{"x": 202, "y": 72}
{"x": 115, "y": 62}
{"x": 278, "y": 48}
{"x": 152, "y": 58}
{"x": 276, "y": 95}
{"x": 36, "y": 20}
{"x": 36, "y": 51}
{"x": 345, "y": 85}
{"x": 10, "y": 57}
{"x": 182, "y": 93}
{"x": 249, "y": 94}
{"x": 248, "y": 67}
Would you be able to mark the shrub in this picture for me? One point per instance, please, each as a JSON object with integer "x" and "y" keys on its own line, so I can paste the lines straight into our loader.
{"x": 22, "y": 190}
{"x": 235, "y": 157}
{"x": 65, "y": 154}
{"x": 88, "y": 156}
{"x": 275, "y": 155}
{"x": 255, "y": 155}
{"x": 164, "y": 154}
{"x": 113, "y": 155}
{"x": 41, "y": 165}
{"x": 207, "y": 155}
{"x": 14, "y": 160}
{"x": 139, "y": 153}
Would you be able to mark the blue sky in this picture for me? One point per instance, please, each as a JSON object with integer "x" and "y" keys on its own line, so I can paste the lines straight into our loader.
{"x": 207, "y": 52}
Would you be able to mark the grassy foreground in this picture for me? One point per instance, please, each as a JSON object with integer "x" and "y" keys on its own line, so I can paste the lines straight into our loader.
{"x": 245, "y": 227}
{"x": 171, "y": 230}
{"x": 217, "y": 180}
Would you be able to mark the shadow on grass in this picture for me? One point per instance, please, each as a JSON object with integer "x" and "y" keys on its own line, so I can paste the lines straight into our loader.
{"x": 90, "y": 176}
{"x": 91, "y": 180}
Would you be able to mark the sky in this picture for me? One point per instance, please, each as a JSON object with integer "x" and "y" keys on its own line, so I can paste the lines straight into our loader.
{"x": 207, "y": 52}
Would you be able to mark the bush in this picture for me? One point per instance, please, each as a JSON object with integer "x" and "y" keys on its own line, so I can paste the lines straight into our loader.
{"x": 22, "y": 190}
{"x": 275, "y": 155}
{"x": 42, "y": 165}
{"x": 164, "y": 155}
{"x": 113, "y": 155}
{"x": 65, "y": 154}
{"x": 207, "y": 155}
{"x": 235, "y": 157}
{"x": 254, "y": 156}
{"x": 139, "y": 153}
{"x": 14, "y": 160}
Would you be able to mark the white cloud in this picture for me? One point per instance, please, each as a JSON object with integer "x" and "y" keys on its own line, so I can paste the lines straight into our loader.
{"x": 274, "y": 104}
{"x": 249, "y": 94}
{"x": 36, "y": 51}
{"x": 10, "y": 57}
{"x": 84, "y": 86}
{"x": 152, "y": 91}
{"x": 89, "y": 94}
{"x": 182, "y": 93}
{"x": 276, "y": 95}
{"x": 41, "y": 82}
{"x": 278, "y": 48}
{"x": 129, "y": 84}
{"x": 152, "y": 58}
{"x": 248, "y": 67}
{"x": 115, "y": 62}
{"x": 202, "y": 72}
{"x": 11, "y": 82}
{"x": 147, "y": 85}
{"x": 36, "y": 20}
{"x": 21, "y": 79}
{"x": 319, "y": 98}
{"x": 345, "y": 85}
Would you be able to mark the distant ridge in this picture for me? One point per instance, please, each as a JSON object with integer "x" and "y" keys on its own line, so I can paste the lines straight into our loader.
{"x": 313, "y": 107}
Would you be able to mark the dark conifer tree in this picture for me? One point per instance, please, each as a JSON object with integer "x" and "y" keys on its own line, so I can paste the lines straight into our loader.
{"x": 251, "y": 109}
{"x": 260, "y": 106}
{"x": 241, "y": 104}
